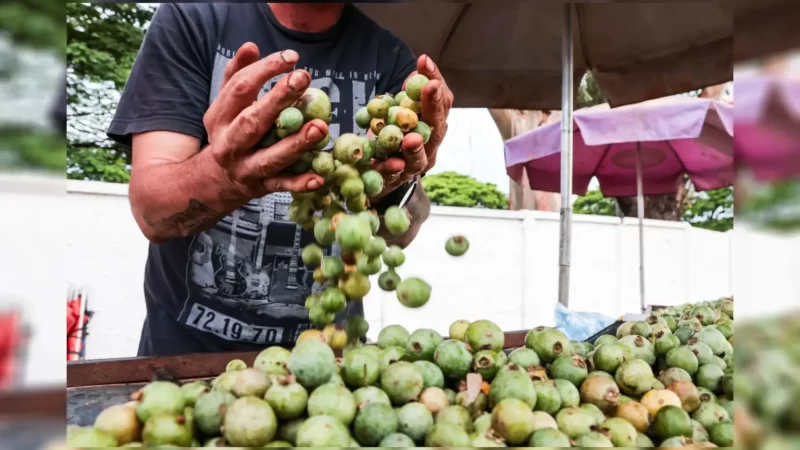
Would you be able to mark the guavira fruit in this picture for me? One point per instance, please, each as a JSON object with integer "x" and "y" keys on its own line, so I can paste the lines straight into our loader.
{"x": 656, "y": 399}
{"x": 396, "y": 440}
{"x": 608, "y": 357}
{"x": 550, "y": 343}
{"x": 432, "y": 375}
{"x": 452, "y": 356}
{"x": 549, "y": 437}
{"x": 333, "y": 400}
{"x": 251, "y": 382}
{"x": 351, "y": 188}
{"x": 636, "y": 414}
{"x": 413, "y": 292}
{"x": 485, "y": 335}
{"x": 373, "y": 423}
{"x": 548, "y": 399}
{"x": 193, "y": 390}
{"x": 166, "y": 429}
{"x": 352, "y": 234}
{"x": 512, "y": 419}
{"x": 323, "y": 431}
{"x": 360, "y": 369}
{"x": 600, "y": 391}
{"x": 422, "y": 344}
{"x": 424, "y": 130}
{"x": 435, "y": 399}
{"x": 371, "y": 394}
{"x": 414, "y": 86}
{"x": 671, "y": 421}
{"x": 249, "y": 422}
{"x": 390, "y": 137}
{"x": 378, "y": 108}
{"x": 363, "y": 118}
{"x": 287, "y": 398}
{"x": 593, "y": 439}
{"x": 367, "y": 265}
{"x": 513, "y": 384}
{"x": 455, "y": 415}
{"x": 312, "y": 362}
{"x": 355, "y": 285}
{"x": 393, "y": 335}
{"x": 80, "y": 437}
{"x": 674, "y": 374}
{"x": 402, "y": 382}
{"x": 640, "y": 348}
{"x": 458, "y": 329}
{"x": 288, "y": 122}
{"x": 210, "y": 410}
{"x": 570, "y": 396}
{"x": 406, "y": 119}
{"x": 688, "y": 394}
{"x": 119, "y": 421}
{"x": 314, "y": 104}
{"x": 574, "y": 421}
{"x": 159, "y": 397}
{"x": 323, "y": 233}
{"x": 634, "y": 377}
{"x": 375, "y": 247}
{"x": 332, "y": 300}
{"x": 393, "y": 257}
{"x": 397, "y": 220}
{"x": 570, "y": 368}
{"x": 373, "y": 182}
{"x": 446, "y": 435}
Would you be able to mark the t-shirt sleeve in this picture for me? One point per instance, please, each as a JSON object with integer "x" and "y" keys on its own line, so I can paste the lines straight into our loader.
{"x": 168, "y": 88}
{"x": 403, "y": 63}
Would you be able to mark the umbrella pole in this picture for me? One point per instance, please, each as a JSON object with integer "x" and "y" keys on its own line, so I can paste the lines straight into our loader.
{"x": 565, "y": 241}
{"x": 640, "y": 213}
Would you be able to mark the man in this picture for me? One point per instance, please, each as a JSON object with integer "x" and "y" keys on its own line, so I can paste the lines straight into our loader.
{"x": 222, "y": 272}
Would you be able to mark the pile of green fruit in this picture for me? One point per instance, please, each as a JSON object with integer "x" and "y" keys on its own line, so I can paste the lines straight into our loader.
{"x": 666, "y": 380}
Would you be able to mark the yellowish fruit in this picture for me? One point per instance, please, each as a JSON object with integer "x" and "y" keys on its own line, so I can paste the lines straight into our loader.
{"x": 318, "y": 277}
{"x": 376, "y": 125}
{"x": 658, "y": 398}
{"x": 311, "y": 335}
{"x": 328, "y": 331}
{"x": 339, "y": 340}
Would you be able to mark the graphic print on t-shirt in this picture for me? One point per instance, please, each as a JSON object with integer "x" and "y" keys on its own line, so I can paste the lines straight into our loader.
{"x": 249, "y": 266}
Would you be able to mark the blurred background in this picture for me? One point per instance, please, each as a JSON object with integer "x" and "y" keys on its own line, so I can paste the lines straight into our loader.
{"x": 52, "y": 123}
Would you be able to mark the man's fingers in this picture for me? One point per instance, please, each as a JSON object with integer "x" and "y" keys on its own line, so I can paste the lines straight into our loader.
{"x": 246, "y": 55}
{"x": 293, "y": 183}
{"x": 243, "y": 87}
{"x": 409, "y": 76}
{"x": 270, "y": 161}
{"x": 414, "y": 155}
{"x": 427, "y": 67}
{"x": 254, "y": 121}
{"x": 391, "y": 167}
{"x": 434, "y": 109}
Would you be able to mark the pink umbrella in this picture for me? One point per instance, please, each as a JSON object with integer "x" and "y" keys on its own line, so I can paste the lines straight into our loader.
{"x": 641, "y": 149}
{"x": 767, "y": 130}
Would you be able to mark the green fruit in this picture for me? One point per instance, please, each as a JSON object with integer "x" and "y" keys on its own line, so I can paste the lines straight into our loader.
{"x": 371, "y": 394}
{"x": 374, "y": 223}
{"x": 332, "y": 300}
{"x": 343, "y": 173}
{"x": 323, "y": 431}
{"x": 323, "y": 233}
{"x": 684, "y": 334}
{"x": 378, "y": 108}
{"x": 548, "y": 399}
{"x": 209, "y": 411}
{"x": 706, "y": 395}
{"x": 640, "y": 347}
{"x": 352, "y": 187}
{"x": 391, "y": 116}
{"x": 608, "y": 357}
{"x": 249, "y": 422}
{"x": 272, "y": 361}
{"x": 367, "y": 265}
{"x": 624, "y": 329}
{"x": 375, "y": 247}
{"x": 319, "y": 316}
{"x": 363, "y": 118}
{"x": 451, "y": 395}
{"x": 120, "y": 422}
{"x": 159, "y": 397}
{"x": 524, "y": 357}
{"x": 355, "y": 285}
{"x": 620, "y": 431}
{"x": 394, "y": 257}
{"x": 393, "y": 354}
{"x": 389, "y": 280}
{"x": 402, "y": 382}
{"x": 279, "y": 444}
{"x": 359, "y": 369}
{"x": 704, "y": 314}
{"x": 709, "y": 414}
{"x": 513, "y": 384}
{"x": 396, "y": 440}
{"x": 605, "y": 339}
{"x": 352, "y": 234}
{"x": 486, "y": 363}
{"x": 475, "y": 407}
{"x": 530, "y": 336}
{"x": 726, "y": 329}
{"x": 373, "y": 423}
{"x": 287, "y": 431}
{"x": 634, "y": 377}
{"x": 642, "y": 441}
{"x": 600, "y": 391}
{"x": 414, "y": 86}
{"x": 570, "y": 396}
{"x": 393, "y": 335}
{"x": 671, "y": 421}
{"x": 224, "y": 382}
{"x": 714, "y": 339}
{"x": 373, "y": 183}
{"x": 455, "y": 415}
{"x": 485, "y": 440}
{"x": 445, "y": 435}
{"x": 165, "y": 429}
{"x": 287, "y": 398}
{"x": 432, "y": 375}
{"x": 570, "y": 368}
{"x": 512, "y": 419}
{"x": 313, "y": 363}
{"x": 422, "y": 344}
{"x": 332, "y": 267}
{"x": 684, "y": 358}
{"x": 456, "y": 245}
{"x": 79, "y": 437}
{"x": 727, "y": 384}
{"x": 593, "y": 439}
{"x": 575, "y": 422}
{"x": 709, "y": 376}
{"x": 699, "y": 434}
{"x": 413, "y": 292}
{"x": 390, "y": 137}
{"x": 674, "y": 374}
{"x": 579, "y": 348}
{"x": 482, "y": 423}
{"x": 192, "y": 391}
{"x": 397, "y": 221}
{"x": 549, "y": 437}
{"x": 485, "y": 335}
{"x": 664, "y": 343}
{"x": 424, "y": 130}
{"x": 549, "y": 344}
{"x": 719, "y": 362}
{"x": 722, "y": 434}
{"x": 289, "y": 122}
{"x": 458, "y": 330}
{"x": 251, "y": 382}
{"x": 641, "y": 328}
{"x": 334, "y": 401}
{"x": 314, "y": 104}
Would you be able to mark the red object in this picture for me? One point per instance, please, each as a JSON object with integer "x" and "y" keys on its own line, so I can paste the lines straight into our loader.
{"x": 75, "y": 331}
{"x": 10, "y": 339}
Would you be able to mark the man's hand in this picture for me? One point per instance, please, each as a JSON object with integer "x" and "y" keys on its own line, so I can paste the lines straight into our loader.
{"x": 418, "y": 158}
{"x": 237, "y": 120}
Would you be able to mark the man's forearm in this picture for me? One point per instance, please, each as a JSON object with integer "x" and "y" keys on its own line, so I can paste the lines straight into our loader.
{"x": 419, "y": 208}
{"x": 174, "y": 200}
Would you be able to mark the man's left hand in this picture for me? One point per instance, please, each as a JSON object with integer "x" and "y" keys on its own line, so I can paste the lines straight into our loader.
{"x": 436, "y": 101}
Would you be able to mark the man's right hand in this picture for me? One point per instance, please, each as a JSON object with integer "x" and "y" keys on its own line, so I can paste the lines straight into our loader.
{"x": 238, "y": 119}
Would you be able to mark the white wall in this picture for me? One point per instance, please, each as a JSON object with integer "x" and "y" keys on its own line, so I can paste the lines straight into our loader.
{"x": 510, "y": 274}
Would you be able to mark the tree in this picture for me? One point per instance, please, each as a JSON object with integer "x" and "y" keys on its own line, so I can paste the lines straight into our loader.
{"x": 595, "y": 203}
{"x": 455, "y": 189}
{"x": 102, "y": 42}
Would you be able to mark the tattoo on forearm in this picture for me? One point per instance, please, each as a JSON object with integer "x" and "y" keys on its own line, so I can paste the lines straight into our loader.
{"x": 196, "y": 217}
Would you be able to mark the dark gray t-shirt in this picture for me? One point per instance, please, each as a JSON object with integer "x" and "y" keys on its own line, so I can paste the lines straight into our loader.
{"x": 240, "y": 285}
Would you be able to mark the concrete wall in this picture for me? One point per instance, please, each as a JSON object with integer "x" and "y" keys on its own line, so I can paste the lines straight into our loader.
{"x": 510, "y": 274}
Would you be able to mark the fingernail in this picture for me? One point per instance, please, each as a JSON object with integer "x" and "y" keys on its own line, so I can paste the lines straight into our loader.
{"x": 313, "y": 184}
{"x": 414, "y": 150}
{"x": 429, "y": 64}
{"x": 437, "y": 93}
{"x": 290, "y": 56}
{"x": 314, "y": 134}
{"x": 298, "y": 80}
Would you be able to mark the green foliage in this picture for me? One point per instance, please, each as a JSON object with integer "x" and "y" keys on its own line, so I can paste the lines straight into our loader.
{"x": 712, "y": 210}
{"x": 455, "y": 189}
{"x": 589, "y": 93}
{"x": 34, "y": 23}
{"x": 22, "y": 147}
{"x": 102, "y": 42}
{"x": 595, "y": 203}
{"x": 773, "y": 207}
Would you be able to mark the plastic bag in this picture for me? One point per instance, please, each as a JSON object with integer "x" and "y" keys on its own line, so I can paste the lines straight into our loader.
{"x": 580, "y": 326}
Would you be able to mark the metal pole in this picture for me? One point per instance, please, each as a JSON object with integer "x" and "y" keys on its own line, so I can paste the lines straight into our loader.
{"x": 565, "y": 241}
{"x": 640, "y": 213}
